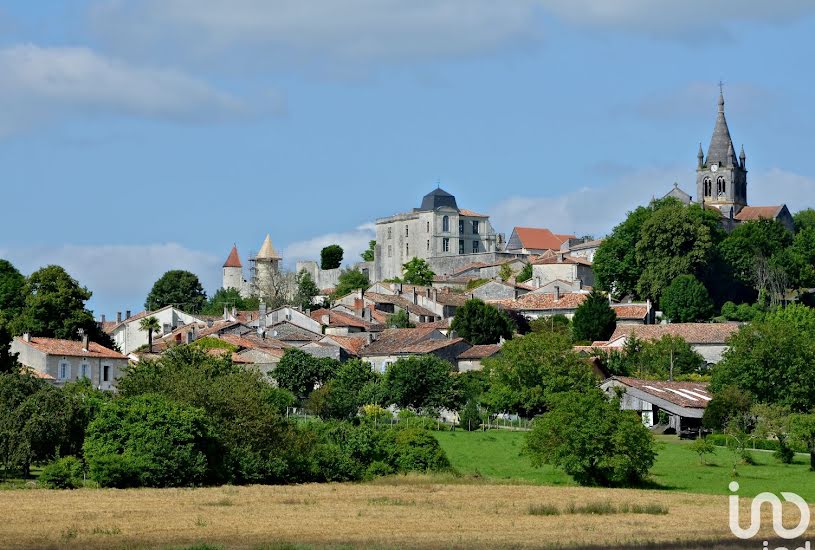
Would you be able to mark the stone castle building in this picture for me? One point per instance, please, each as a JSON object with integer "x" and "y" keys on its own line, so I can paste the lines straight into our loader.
{"x": 438, "y": 231}
{"x": 721, "y": 181}
{"x": 264, "y": 272}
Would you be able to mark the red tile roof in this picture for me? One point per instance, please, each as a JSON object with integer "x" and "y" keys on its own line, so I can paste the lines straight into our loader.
{"x": 542, "y": 302}
{"x": 69, "y": 348}
{"x": 351, "y": 344}
{"x": 429, "y": 346}
{"x": 480, "y": 351}
{"x": 535, "y": 238}
{"x": 465, "y": 212}
{"x": 692, "y": 333}
{"x": 692, "y": 395}
{"x": 758, "y": 213}
{"x": 630, "y": 311}
{"x": 233, "y": 260}
{"x": 566, "y": 260}
{"x": 340, "y": 319}
{"x": 394, "y": 340}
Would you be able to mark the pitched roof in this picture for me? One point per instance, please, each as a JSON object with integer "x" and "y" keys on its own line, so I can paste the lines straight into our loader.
{"x": 438, "y": 198}
{"x": 692, "y": 333}
{"x": 587, "y": 244}
{"x": 465, "y": 212}
{"x": 394, "y": 340}
{"x": 721, "y": 145}
{"x": 537, "y": 238}
{"x": 759, "y": 213}
{"x": 542, "y": 302}
{"x": 251, "y": 341}
{"x": 480, "y": 351}
{"x": 573, "y": 260}
{"x": 692, "y": 395}
{"x": 351, "y": 344}
{"x": 69, "y": 348}
{"x": 267, "y": 251}
{"x": 233, "y": 260}
{"x": 340, "y": 319}
{"x": 400, "y": 301}
{"x": 630, "y": 311}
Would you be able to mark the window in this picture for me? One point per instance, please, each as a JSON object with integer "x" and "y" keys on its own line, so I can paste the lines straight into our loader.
{"x": 460, "y": 227}
{"x": 720, "y": 187}
{"x": 390, "y": 251}
{"x": 708, "y": 187}
{"x": 407, "y": 231}
{"x": 445, "y": 245}
{"x": 428, "y": 245}
{"x": 461, "y": 246}
{"x": 445, "y": 224}
{"x": 407, "y": 249}
{"x": 64, "y": 370}
{"x": 390, "y": 232}
{"x": 428, "y": 227}
{"x": 475, "y": 247}
{"x": 475, "y": 227}
{"x": 106, "y": 373}
{"x": 84, "y": 371}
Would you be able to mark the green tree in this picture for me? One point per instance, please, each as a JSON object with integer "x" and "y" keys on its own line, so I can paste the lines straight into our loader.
{"x": 533, "y": 368}
{"x": 773, "y": 359}
{"x": 686, "y": 300}
{"x": 615, "y": 263}
{"x": 703, "y": 447}
{"x": 802, "y": 432}
{"x": 300, "y": 372}
{"x": 400, "y": 319}
{"x": 594, "y": 319}
{"x": 349, "y": 281}
{"x": 331, "y": 257}
{"x": 418, "y": 382}
{"x": 306, "y": 290}
{"x": 229, "y": 298}
{"x": 804, "y": 219}
{"x": 505, "y": 273}
{"x": 165, "y": 443}
{"x": 676, "y": 240}
{"x": 750, "y": 241}
{"x": 8, "y": 360}
{"x": 481, "y": 323}
{"x": 178, "y": 288}
{"x": 773, "y": 422}
{"x": 149, "y": 325}
{"x": 417, "y": 272}
{"x": 54, "y": 307}
{"x": 470, "y": 418}
{"x": 368, "y": 255}
{"x": 12, "y": 294}
{"x": 556, "y": 323}
{"x": 592, "y": 440}
{"x": 355, "y": 384}
{"x": 801, "y": 258}
{"x": 525, "y": 274}
{"x": 728, "y": 402}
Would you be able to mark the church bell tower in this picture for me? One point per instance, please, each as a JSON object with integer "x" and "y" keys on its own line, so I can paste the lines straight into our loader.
{"x": 721, "y": 178}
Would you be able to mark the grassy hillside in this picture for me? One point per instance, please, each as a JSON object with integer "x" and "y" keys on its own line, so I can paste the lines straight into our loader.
{"x": 496, "y": 455}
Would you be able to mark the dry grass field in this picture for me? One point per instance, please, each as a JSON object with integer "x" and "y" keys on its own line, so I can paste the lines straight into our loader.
{"x": 403, "y": 512}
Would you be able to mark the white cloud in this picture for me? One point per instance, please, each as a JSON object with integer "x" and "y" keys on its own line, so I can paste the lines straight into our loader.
{"x": 353, "y": 243}
{"x": 38, "y": 84}
{"x": 777, "y": 186}
{"x": 318, "y": 30}
{"x": 700, "y": 19}
{"x": 120, "y": 276}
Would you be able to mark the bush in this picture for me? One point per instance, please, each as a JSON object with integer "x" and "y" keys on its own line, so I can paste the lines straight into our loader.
{"x": 413, "y": 449}
{"x": 469, "y": 417}
{"x": 118, "y": 471}
{"x": 63, "y": 473}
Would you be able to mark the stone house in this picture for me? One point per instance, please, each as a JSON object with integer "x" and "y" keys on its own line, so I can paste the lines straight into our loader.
{"x": 561, "y": 267}
{"x": 534, "y": 240}
{"x": 579, "y": 248}
{"x": 707, "y": 339}
{"x": 684, "y": 402}
{"x": 394, "y": 343}
{"x": 129, "y": 336}
{"x": 533, "y": 306}
{"x": 68, "y": 360}
{"x": 336, "y": 322}
{"x": 634, "y": 313}
{"x": 470, "y": 359}
{"x": 498, "y": 290}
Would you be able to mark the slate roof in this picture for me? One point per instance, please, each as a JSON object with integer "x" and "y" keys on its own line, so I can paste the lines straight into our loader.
{"x": 69, "y": 348}
{"x": 691, "y": 395}
{"x": 749, "y": 213}
{"x": 480, "y": 351}
{"x": 692, "y": 333}
{"x": 233, "y": 260}
{"x": 721, "y": 148}
{"x": 438, "y": 198}
{"x": 394, "y": 340}
{"x": 536, "y": 238}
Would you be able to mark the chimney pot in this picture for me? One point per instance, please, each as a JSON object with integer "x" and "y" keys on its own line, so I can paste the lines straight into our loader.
{"x": 118, "y": 316}
{"x": 85, "y": 342}
{"x": 557, "y": 293}
{"x": 127, "y": 314}
{"x": 27, "y": 336}
{"x": 103, "y": 318}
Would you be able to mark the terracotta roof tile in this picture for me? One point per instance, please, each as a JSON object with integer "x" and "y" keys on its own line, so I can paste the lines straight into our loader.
{"x": 465, "y": 212}
{"x": 429, "y": 346}
{"x": 535, "y": 238}
{"x": 394, "y": 340}
{"x": 69, "y": 348}
{"x": 630, "y": 311}
{"x": 566, "y": 260}
{"x": 340, "y": 319}
{"x": 234, "y": 260}
{"x": 480, "y": 351}
{"x": 351, "y": 344}
{"x": 692, "y": 395}
{"x": 758, "y": 213}
{"x": 692, "y": 333}
{"x": 543, "y": 302}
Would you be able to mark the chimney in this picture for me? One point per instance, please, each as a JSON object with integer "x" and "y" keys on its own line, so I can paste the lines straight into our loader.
{"x": 102, "y": 319}
{"x": 360, "y": 293}
{"x": 415, "y": 298}
{"x": 226, "y": 314}
{"x": 85, "y": 342}
{"x": 369, "y": 338}
{"x": 366, "y": 314}
{"x": 118, "y": 316}
{"x": 26, "y": 336}
{"x": 127, "y": 314}
{"x": 210, "y": 323}
{"x": 537, "y": 282}
{"x": 325, "y": 319}
{"x": 557, "y": 293}
{"x": 428, "y": 292}
{"x": 560, "y": 257}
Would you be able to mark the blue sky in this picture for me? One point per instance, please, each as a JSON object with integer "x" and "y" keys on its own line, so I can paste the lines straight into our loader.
{"x": 137, "y": 137}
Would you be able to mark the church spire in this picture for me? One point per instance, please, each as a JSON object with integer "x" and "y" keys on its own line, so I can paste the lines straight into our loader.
{"x": 721, "y": 145}
{"x": 742, "y": 158}
{"x": 700, "y": 156}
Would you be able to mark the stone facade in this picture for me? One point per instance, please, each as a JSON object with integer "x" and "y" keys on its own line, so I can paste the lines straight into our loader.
{"x": 438, "y": 229}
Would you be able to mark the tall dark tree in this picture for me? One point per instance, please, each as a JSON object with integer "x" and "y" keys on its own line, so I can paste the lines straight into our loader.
{"x": 749, "y": 242}
{"x": 178, "y": 288}
{"x": 594, "y": 319}
{"x": 803, "y": 219}
{"x": 481, "y": 323}
{"x": 306, "y": 290}
{"x": 368, "y": 255}
{"x": 331, "y": 257}
{"x": 686, "y": 300}
{"x": 419, "y": 382}
{"x": 12, "y": 296}
{"x": 417, "y": 272}
{"x": 615, "y": 263}
{"x": 300, "y": 372}
{"x": 351, "y": 280}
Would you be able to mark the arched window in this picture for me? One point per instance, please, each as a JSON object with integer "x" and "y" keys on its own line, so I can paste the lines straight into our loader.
{"x": 708, "y": 187}
{"x": 445, "y": 224}
{"x": 720, "y": 187}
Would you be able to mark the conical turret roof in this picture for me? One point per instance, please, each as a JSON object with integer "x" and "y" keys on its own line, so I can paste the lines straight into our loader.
{"x": 234, "y": 260}
{"x": 721, "y": 148}
{"x": 267, "y": 251}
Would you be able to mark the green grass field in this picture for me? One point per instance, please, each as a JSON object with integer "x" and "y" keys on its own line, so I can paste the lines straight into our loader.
{"x": 497, "y": 456}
